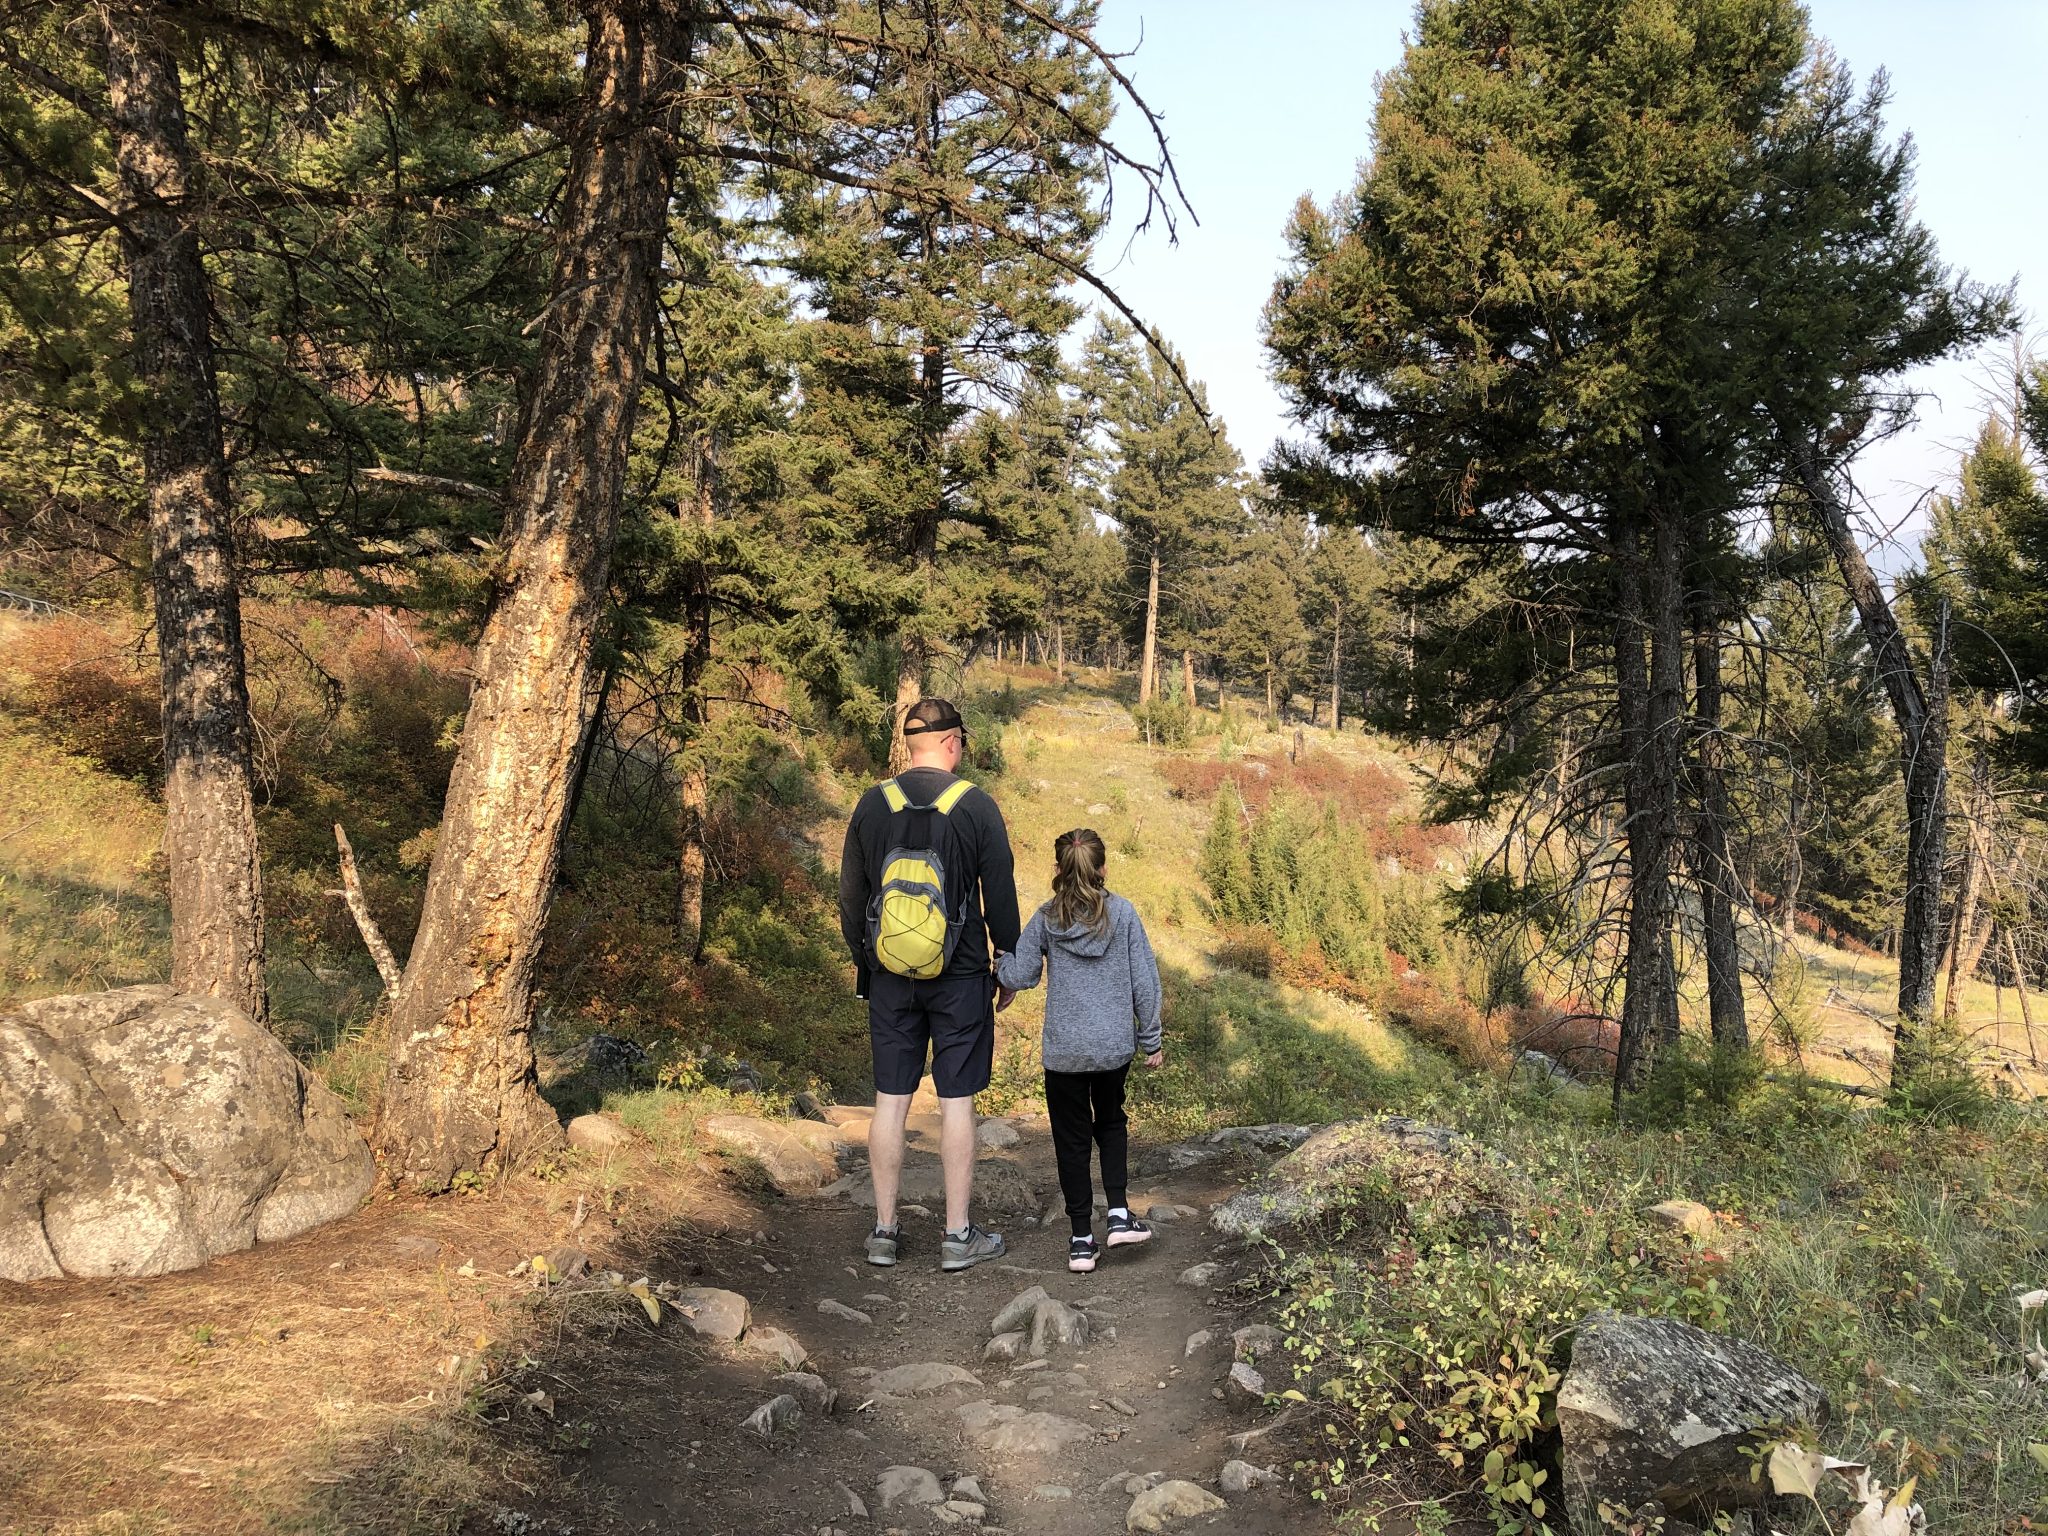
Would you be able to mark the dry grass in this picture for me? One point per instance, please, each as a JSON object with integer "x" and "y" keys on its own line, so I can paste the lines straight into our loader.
{"x": 339, "y": 1382}
{"x": 80, "y": 891}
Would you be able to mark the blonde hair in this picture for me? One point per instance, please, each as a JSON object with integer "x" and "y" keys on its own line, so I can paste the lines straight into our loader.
{"x": 1080, "y": 898}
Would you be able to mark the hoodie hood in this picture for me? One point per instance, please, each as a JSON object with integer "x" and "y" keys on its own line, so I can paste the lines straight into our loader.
{"x": 1081, "y": 940}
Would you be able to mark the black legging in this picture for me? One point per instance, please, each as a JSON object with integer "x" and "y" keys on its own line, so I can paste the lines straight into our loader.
{"x": 1085, "y": 1107}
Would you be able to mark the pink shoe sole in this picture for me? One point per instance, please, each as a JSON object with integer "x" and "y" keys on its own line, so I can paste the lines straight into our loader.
{"x": 1128, "y": 1239}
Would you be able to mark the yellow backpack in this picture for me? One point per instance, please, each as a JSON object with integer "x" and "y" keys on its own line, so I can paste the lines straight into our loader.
{"x": 909, "y": 929}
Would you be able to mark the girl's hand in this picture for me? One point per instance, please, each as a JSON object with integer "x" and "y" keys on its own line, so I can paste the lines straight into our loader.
{"x": 1157, "y": 1058}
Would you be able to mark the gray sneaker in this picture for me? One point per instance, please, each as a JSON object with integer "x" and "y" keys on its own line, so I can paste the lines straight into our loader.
{"x": 971, "y": 1248}
{"x": 882, "y": 1246}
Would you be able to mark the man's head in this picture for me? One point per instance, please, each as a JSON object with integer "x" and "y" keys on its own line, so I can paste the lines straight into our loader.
{"x": 935, "y": 735}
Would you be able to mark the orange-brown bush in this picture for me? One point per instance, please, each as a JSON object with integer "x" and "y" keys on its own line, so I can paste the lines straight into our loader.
{"x": 1444, "y": 1020}
{"x": 1579, "y": 1039}
{"x": 95, "y": 697}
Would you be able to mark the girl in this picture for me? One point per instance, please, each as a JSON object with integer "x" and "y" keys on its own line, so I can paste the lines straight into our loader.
{"x": 1101, "y": 1009}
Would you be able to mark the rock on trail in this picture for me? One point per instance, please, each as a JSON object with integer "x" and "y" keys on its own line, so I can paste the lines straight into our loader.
{"x": 1158, "y": 1508}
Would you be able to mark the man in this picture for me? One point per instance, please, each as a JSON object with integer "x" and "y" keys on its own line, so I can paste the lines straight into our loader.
{"x": 930, "y": 984}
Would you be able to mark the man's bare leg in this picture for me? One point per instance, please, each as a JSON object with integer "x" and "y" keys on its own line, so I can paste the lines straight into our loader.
{"x": 956, "y": 1151}
{"x": 885, "y": 1152}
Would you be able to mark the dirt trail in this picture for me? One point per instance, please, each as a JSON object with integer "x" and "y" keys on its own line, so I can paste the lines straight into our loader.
{"x": 662, "y": 1417}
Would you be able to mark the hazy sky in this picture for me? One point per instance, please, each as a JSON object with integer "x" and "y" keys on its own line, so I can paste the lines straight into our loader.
{"x": 1263, "y": 103}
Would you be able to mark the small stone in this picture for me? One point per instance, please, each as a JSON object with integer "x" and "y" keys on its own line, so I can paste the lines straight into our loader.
{"x": 1005, "y": 1346}
{"x": 1031, "y": 1365}
{"x": 569, "y": 1263}
{"x": 714, "y": 1313}
{"x": 597, "y": 1133}
{"x": 1039, "y": 1395}
{"x": 856, "y": 1506}
{"x": 1122, "y": 1407}
{"x": 1018, "y": 1310}
{"x": 776, "y": 1343}
{"x": 779, "y": 1412}
{"x": 1245, "y": 1387}
{"x": 1256, "y": 1341}
{"x": 993, "y": 1135}
{"x": 1056, "y": 1323}
{"x": 1144, "y": 1480}
{"x": 1197, "y": 1342}
{"x": 1243, "y": 1477}
{"x": 1052, "y": 1491}
{"x": 1199, "y": 1276}
{"x": 965, "y": 1509}
{"x": 809, "y": 1105}
{"x": 968, "y": 1488}
{"x": 907, "y": 1485}
{"x": 1037, "y": 1434}
{"x": 1157, "y": 1508}
{"x": 814, "y": 1392}
{"x": 840, "y": 1309}
{"x": 1686, "y": 1216}
{"x": 920, "y": 1379}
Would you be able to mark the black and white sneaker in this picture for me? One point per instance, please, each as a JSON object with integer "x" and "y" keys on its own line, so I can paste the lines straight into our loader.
{"x": 1126, "y": 1228}
{"x": 1081, "y": 1255}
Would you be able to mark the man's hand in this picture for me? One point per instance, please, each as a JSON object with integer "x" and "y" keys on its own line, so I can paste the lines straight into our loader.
{"x": 1157, "y": 1058}
{"x": 1004, "y": 997}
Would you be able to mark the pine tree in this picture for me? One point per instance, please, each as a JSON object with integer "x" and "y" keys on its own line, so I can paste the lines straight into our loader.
{"x": 1173, "y": 487}
{"x": 1555, "y": 327}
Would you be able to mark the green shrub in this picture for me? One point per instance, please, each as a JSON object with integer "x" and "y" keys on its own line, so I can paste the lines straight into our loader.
{"x": 1167, "y": 719}
{"x": 1694, "y": 1082}
{"x": 1425, "y": 1340}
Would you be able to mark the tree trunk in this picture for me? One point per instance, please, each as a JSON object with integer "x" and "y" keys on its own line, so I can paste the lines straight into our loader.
{"x": 1922, "y": 716}
{"x": 1151, "y": 632}
{"x": 694, "y": 802}
{"x": 216, "y": 880}
{"x": 2019, "y": 982}
{"x": 1714, "y": 869}
{"x": 1059, "y": 650}
{"x": 1337, "y": 665}
{"x": 461, "y": 1095}
{"x": 1187, "y": 676}
{"x": 1650, "y": 709}
{"x": 1272, "y": 715}
{"x": 909, "y": 689}
{"x": 1962, "y": 948}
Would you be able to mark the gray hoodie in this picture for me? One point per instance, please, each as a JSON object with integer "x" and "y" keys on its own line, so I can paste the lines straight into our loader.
{"x": 1101, "y": 983}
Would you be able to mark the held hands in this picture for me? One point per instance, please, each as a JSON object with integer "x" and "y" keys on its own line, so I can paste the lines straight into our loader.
{"x": 1157, "y": 1058}
{"x": 1004, "y": 996}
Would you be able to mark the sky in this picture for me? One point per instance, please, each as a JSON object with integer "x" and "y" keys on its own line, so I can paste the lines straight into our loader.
{"x": 1264, "y": 103}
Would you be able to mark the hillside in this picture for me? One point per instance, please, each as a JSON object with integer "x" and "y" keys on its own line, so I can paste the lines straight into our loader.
{"x": 383, "y": 1396}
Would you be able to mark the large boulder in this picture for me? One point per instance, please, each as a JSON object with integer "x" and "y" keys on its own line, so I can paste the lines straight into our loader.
{"x": 143, "y": 1131}
{"x": 1389, "y": 1156}
{"x": 1657, "y": 1411}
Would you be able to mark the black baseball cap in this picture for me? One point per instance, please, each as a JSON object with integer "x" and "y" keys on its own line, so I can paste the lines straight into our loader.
{"x": 933, "y": 717}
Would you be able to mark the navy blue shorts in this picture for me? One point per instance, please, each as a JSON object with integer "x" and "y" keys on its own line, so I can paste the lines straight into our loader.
{"x": 954, "y": 1017}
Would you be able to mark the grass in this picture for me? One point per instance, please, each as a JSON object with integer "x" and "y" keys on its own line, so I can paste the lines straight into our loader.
{"x": 1879, "y": 1256}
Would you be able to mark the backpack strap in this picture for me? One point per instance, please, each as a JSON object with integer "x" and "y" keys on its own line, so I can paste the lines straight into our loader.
{"x": 950, "y": 796}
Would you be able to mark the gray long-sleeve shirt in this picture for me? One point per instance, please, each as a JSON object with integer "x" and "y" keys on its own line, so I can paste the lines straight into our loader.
{"x": 1102, "y": 1002}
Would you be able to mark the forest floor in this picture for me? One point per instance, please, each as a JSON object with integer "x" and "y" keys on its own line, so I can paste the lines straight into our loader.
{"x": 379, "y": 1375}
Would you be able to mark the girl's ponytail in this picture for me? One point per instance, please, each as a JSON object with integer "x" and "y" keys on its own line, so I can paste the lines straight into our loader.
{"x": 1079, "y": 897}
